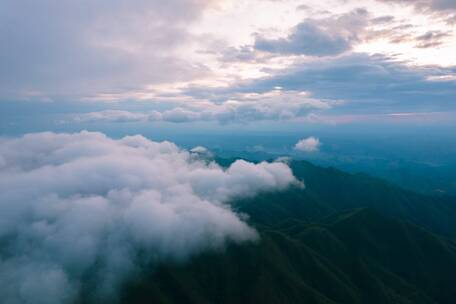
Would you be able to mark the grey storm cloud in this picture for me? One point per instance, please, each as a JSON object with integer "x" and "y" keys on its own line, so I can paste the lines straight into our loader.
{"x": 73, "y": 205}
{"x": 79, "y": 48}
{"x": 319, "y": 37}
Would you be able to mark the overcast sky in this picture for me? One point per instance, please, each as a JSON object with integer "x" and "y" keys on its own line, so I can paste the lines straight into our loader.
{"x": 226, "y": 61}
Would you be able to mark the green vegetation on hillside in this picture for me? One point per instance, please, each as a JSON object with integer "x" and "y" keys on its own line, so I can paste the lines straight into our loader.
{"x": 343, "y": 239}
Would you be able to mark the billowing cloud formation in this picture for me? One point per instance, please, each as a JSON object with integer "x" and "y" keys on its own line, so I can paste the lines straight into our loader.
{"x": 321, "y": 37}
{"x": 310, "y": 144}
{"x": 271, "y": 105}
{"x": 86, "y": 207}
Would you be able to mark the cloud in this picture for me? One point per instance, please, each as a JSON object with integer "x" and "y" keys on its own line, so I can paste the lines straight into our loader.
{"x": 113, "y": 116}
{"x": 435, "y": 5}
{"x": 75, "y": 49}
{"x": 387, "y": 19}
{"x": 319, "y": 37}
{"x": 310, "y": 144}
{"x": 202, "y": 152}
{"x": 246, "y": 107}
{"x": 355, "y": 84}
{"x": 431, "y": 39}
{"x": 366, "y": 84}
{"x": 78, "y": 206}
{"x": 406, "y": 34}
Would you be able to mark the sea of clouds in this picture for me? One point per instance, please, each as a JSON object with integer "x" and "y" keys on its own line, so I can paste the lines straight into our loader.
{"x": 80, "y": 208}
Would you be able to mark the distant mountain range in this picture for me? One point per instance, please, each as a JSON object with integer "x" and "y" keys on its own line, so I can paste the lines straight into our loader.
{"x": 344, "y": 238}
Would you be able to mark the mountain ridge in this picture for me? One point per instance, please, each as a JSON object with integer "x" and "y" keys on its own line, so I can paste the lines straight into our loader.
{"x": 319, "y": 247}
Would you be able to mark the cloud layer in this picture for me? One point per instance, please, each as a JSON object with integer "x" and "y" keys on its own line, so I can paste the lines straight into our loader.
{"x": 246, "y": 107}
{"x": 368, "y": 83}
{"x": 82, "y": 48}
{"x": 82, "y": 205}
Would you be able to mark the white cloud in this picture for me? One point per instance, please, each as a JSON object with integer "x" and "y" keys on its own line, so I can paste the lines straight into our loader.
{"x": 202, "y": 152}
{"x": 79, "y": 204}
{"x": 310, "y": 144}
{"x": 199, "y": 150}
{"x": 245, "y": 107}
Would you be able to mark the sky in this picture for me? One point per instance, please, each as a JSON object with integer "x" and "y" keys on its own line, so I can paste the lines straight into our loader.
{"x": 208, "y": 64}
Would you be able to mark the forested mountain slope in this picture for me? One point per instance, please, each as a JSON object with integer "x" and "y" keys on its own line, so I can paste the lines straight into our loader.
{"x": 343, "y": 239}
